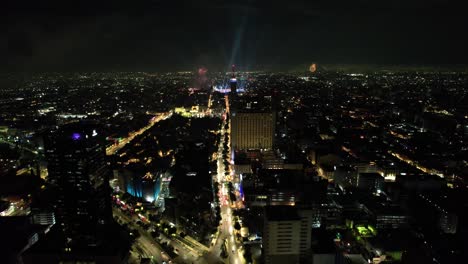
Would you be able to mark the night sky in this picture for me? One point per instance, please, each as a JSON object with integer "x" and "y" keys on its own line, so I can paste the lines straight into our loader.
{"x": 104, "y": 35}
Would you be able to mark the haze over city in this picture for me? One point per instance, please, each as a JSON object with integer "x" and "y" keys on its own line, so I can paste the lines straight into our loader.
{"x": 181, "y": 35}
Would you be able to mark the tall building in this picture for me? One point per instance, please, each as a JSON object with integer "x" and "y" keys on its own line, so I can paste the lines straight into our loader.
{"x": 370, "y": 181}
{"x": 78, "y": 168}
{"x": 85, "y": 231}
{"x": 305, "y": 243}
{"x": 233, "y": 81}
{"x": 286, "y": 234}
{"x": 233, "y": 85}
{"x": 251, "y": 130}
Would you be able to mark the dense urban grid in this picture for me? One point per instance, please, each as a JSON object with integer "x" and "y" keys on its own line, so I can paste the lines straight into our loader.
{"x": 323, "y": 166}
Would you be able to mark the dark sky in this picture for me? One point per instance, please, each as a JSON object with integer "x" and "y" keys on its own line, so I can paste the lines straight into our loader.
{"x": 153, "y": 35}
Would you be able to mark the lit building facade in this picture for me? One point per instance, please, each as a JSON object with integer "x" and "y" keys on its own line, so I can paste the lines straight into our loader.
{"x": 286, "y": 234}
{"x": 146, "y": 186}
{"x": 43, "y": 217}
{"x": 252, "y": 130}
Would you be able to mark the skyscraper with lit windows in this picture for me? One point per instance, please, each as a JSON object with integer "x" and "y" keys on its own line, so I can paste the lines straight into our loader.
{"x": 252, "y": 130}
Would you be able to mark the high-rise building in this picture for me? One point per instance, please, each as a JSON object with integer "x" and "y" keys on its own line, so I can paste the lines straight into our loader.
{"x": 233, "y": 81}
{"x": 252, "y": 130}
{"x": 84, "y": 230}
{"x": 305, "y": 243}
{"x": 233, "y": 85}
{"x": 78, "y": 168}
{"x": 286, "y": 234}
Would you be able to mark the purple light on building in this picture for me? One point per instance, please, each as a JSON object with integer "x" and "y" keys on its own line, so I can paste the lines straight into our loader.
{"x": 76, "y": 136}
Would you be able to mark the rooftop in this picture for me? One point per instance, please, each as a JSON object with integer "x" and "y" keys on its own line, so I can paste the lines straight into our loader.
{"x": 281, "y": 213}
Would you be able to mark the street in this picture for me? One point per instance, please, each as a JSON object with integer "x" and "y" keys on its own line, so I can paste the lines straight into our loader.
{"x": 226, "y": 228}
{"x": 111, "y": 150}
{"x": 189, "y": 250}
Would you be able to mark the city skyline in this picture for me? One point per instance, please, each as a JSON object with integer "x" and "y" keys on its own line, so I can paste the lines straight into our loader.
{"x": 233, "y": 132}
{"x": 209, "y": 167}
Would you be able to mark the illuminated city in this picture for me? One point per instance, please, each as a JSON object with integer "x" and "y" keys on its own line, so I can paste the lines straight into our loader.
{"x": 241, "y": 133}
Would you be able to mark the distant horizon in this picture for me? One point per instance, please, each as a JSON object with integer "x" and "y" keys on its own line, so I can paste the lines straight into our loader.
{"x": 295, "y": 69}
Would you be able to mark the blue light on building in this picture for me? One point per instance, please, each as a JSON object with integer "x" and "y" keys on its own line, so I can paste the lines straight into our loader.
{"x": 146, "y": 186}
